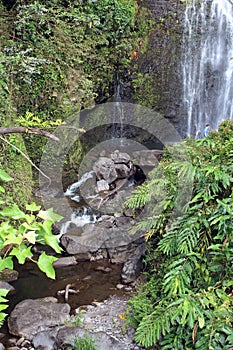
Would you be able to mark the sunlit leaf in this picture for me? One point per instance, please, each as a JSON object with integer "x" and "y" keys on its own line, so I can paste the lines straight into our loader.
{"x": 51, "y": 240}
{"x": 33, "y": 207}
{"x": 45, "y": 264}
{"x": 30, "y": 236}
{"x": 13, "y": 212}
{"x": 49, "y": 215}
{"x": 13, "y": 239}
{"x": 6, "y": 263}
{"x": 4, "y": 176}
{"x": 21, "y": 253}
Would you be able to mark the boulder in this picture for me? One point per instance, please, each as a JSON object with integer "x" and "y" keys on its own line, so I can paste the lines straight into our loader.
{"x": 30, "y": 317}
{"x": 104, "y": 169}
{"x": 92, "y": 238}
{"x": 120, "y": 157}
{"x": 122, "y": 170}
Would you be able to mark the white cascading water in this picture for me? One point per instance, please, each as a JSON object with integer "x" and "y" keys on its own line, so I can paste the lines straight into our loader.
{"x": 207, "y": 64}
{"x": 72, "y": 189}
{"x": 82, "y": 215}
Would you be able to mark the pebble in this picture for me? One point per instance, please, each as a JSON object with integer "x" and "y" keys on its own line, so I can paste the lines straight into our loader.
{"x": 120, "y": 286}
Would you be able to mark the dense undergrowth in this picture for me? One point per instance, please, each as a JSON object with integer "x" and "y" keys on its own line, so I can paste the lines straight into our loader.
{"x": 58, "y": 57}
{"x": 186, "y": 300}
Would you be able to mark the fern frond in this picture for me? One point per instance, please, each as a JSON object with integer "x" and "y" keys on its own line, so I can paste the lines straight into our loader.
{"x": 177, "y": 279}
{"x": 139, "y": 198}
{"x": 155, "y": 325}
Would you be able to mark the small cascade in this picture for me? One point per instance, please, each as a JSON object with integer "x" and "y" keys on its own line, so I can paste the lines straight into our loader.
{"x": 72, "y": 190}
{"x": 80, "y": 217}
{"x": 207, "y": 64}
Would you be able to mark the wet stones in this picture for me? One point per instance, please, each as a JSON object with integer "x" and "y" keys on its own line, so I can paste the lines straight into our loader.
{"x": 32, "y": 316}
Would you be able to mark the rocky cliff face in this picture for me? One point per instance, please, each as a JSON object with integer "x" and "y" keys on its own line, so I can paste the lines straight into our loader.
{"x": 159, "y": 84}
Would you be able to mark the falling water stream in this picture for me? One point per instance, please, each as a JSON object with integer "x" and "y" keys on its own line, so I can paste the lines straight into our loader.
{"x": 207, "y": 64}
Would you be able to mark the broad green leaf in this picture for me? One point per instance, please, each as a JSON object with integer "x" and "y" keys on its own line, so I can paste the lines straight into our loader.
{"x": 22, "y": 253}
{"x": 2, "y": 316}
{"x": 6, "y": 263}
{"x": 51, "y": 240}
{"x": 33, "y": 207}
{"x": 49, "y": 215}
{"x": 30, "y": 236}
{"x": 47, "y": 226}
{"x": 45, "y": 264}
{"x": 12, "y": 238}
{"x": 4, "y": 176}
{"x": 30, "y": 227}
{"x": 13, "y": 212}
{"x": 3, "y": 293}
{"x": 2, "y": 189}
{"x": 3, "y": 307}
{"x": 29, "y": 218}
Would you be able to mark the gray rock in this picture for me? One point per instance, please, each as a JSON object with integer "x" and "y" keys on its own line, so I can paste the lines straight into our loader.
{"x": 104, "y": 169}
{"x": 91, "y": 240}
{"x": 9, "y": 275}
{"x": 120, "y": 157}
{"x": 132, "y": 266}
{"x": 102, "y": 341}
{"x": 122, "y": 170}
{"x": 45, "y": 340}
{"x": 102, "y": 185}
{"x": 65, "y": 261}
{"x": 32, "y": 316}
{"x": 2, "y": 347}
{"x": 6, "y": 285}
{"x": 147, "y": 157}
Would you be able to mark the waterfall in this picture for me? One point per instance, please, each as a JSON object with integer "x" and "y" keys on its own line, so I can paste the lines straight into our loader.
{"x": 207, "y": 64}
{"x": 118, "y": 114}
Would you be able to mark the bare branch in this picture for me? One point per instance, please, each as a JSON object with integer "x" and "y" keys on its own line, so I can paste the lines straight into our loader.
{"x": 23, "y": 129}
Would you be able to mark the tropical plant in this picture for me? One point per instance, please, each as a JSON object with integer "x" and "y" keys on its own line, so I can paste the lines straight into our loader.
{"x": 20, "y": 231}
{"x": 186, "y": 302}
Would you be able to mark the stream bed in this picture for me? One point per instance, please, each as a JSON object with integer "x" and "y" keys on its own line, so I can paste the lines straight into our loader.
{"x": 95, "y": 280}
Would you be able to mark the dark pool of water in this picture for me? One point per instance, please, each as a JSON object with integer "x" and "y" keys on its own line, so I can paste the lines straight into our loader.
{"x": 93, "y": 285}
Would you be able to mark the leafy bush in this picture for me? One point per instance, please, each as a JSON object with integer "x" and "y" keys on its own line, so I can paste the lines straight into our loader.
{"x": 187, "y": 302}
{"x": 20, "y": 231}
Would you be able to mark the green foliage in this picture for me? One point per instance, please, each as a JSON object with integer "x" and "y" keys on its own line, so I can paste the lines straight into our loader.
{"x": 83, "y": 343}
{"x": 64, "y": 53}
{"x": 187, "y": 301}
{"x": 60, "y": 56}
{"x": 20, "y": 231}
{"x": 3, "y": 305}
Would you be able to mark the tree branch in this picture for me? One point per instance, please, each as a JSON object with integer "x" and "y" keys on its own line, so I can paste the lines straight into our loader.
{"x": 23, "y": 129}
